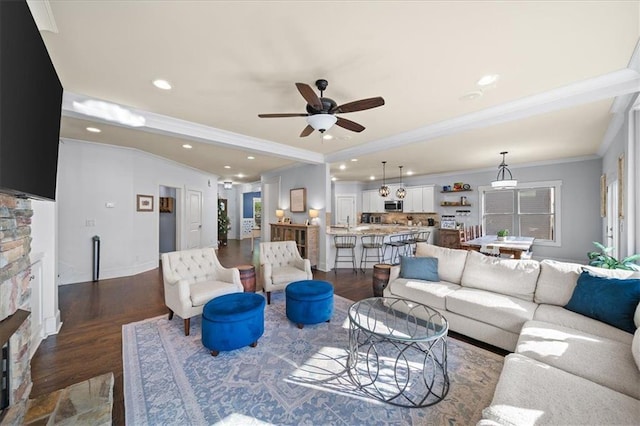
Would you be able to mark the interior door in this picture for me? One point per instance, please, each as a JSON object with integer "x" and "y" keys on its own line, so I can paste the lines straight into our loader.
{"x": 194, "y": 218}
{"x": 612, "y": 232}
{"x": 346, "y": 209}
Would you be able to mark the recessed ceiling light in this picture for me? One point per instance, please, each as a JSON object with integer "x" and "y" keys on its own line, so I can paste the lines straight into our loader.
{"x": 251, "y": 157}
{"x": 327, "y": 137}
{"x": 409, "y": 173}
{"x": 488, "y": 80}
{"x": 162, "y": 84}
{"x": 240, "y": 175}
{"x": 470, "y": 96}
{"x": 342, "y": 167}
{"x": 187, "y": 146}
{"x": 354, "y": 159}
{"x": 227, "y": 167}
{"x": 93, "y": 130}
{"x": 372, "y": 177}
{"x": 333, "y": 179}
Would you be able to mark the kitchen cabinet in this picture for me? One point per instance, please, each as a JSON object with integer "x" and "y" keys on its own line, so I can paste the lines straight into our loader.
{"x": 372, "y": 202}
{"x": 420, "y": 199}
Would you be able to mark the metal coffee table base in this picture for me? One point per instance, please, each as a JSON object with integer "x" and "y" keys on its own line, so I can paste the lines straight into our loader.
{"x": 404, "y": 373}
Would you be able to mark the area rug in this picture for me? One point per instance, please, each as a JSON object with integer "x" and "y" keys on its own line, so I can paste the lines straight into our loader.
{"x": 293, "y": 377}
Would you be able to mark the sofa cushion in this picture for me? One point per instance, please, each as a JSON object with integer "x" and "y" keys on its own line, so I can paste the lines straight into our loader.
{"x": 450, "y": 261}
{"x": 611, "y": 300}
{"x": 505, "y": 312}
{"x": 635, "y": 348}
{"x": 559, "y": 315}
{"x": 556, "y": 282}
{"x": 420, "y": 268}
{"x": 505, "y": 276}
{"x": 428, "y": 293}
{"x": 204, "y": 291}
{"x": 287, "y": 274}
{"x": 530, "y": 392}
{"x": 601, "y": 360}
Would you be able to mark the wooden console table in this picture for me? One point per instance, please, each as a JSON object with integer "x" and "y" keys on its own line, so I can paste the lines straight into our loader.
{"x": 305, "y": 236}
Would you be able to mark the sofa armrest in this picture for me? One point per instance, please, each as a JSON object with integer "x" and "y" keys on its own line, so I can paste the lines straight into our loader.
{"x": 267, "y": 271}
{"x": 394, "y": 273}
{"x": 229, "y": 275}
{"x": 307, "y": 269}
{"x": 178, "y": 290}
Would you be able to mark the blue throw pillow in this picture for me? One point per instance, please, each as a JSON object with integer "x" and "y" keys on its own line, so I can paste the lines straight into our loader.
{"x": 420, "y": 268}
{"x": 609, "y": 300}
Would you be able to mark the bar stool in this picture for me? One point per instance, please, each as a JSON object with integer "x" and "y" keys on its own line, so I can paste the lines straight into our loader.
{"x": 371, "y": 243}
{"x": 420, "y": 237}
{"x": 398, "y": 246}
{"x": 345, "y": 243}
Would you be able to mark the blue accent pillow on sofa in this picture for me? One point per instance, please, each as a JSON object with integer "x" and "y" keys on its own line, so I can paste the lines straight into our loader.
{"x": 420, "y": 268}
{"x": 610, "y": 300}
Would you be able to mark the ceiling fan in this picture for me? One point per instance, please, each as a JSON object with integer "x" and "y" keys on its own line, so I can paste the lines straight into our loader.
{"x": 321, "y": 111}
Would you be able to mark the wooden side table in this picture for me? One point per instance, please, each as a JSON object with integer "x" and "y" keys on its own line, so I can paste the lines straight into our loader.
{"x": 381, "y": 273}
{"x": 248, "y": 277}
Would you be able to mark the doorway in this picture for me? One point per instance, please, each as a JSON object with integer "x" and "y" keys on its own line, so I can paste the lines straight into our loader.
{"x": 168, "y": 220}
{"x": 612, "y": 233}
{"x": 346, "y": 210}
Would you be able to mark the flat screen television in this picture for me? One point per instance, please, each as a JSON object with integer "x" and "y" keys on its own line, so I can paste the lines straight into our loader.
{"x": 30, "y": 107}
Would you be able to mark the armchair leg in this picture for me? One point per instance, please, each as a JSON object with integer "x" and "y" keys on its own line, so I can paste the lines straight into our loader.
{"x": 187, "y": 326}
{"x": 170, "y": 314}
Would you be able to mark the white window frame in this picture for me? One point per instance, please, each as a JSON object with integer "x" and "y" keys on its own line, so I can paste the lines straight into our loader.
{"x": 556, "y": 185}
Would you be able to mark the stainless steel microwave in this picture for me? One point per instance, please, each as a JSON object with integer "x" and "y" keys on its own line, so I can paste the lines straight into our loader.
{"x": 393, "y": 206}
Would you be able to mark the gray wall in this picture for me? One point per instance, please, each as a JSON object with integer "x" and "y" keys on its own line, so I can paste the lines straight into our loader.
{"x": 168, "y": 222}
{"x": 580, "y": 209}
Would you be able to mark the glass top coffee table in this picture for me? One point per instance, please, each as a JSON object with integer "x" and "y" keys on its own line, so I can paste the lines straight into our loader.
{"x": 398, "y": 351}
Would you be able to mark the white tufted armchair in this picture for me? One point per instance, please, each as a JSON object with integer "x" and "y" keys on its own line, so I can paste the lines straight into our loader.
{"x": 192, "y": 278}
{"x": 281, "y": 264}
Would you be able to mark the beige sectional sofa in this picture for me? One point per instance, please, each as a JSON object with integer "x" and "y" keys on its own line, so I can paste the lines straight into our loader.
{"x": 565, "y": 368}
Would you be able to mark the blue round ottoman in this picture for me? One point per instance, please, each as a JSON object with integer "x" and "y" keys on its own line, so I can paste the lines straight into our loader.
{"x": 309, "y": 302}
{"x": 232, "y": 321}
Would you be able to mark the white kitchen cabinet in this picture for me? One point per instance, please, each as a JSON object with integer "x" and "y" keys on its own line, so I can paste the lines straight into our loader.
{"x": 413, "y": 200}
{"x": 428, "y": 199}
{"x": 372, "y": 202}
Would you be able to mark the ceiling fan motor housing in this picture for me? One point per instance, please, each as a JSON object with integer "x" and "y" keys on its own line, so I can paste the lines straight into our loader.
{"x": 327, "y": 105}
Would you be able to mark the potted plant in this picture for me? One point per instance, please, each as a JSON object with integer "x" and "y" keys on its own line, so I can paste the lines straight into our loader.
{"x": 503, "y": 234}
{"x": 603, "y": 259}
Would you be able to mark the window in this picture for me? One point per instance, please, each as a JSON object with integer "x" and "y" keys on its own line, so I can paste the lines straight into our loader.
{"x": 530, "y": 210}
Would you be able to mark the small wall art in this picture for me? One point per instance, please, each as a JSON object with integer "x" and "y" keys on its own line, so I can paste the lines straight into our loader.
{"x": 298, "y": 200}
{"x": 144, "y": 203}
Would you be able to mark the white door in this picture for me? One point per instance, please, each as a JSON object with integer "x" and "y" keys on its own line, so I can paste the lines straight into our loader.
{"x": 346, "y": 210}
{"x": 612, "y": 231}
{"x": 194, "y": 218}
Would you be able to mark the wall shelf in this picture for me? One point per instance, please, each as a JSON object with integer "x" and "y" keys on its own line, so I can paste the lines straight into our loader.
{"x": 454, "y": 204}
{"x": 457, "y": 190}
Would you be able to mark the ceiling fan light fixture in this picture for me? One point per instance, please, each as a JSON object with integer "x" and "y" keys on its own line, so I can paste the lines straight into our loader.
{"x": 501, "y": 181}
{"x": 321, "y": 122}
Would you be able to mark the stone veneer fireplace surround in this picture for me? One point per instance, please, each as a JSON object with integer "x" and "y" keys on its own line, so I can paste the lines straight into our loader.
{"x": 15, "y": 300}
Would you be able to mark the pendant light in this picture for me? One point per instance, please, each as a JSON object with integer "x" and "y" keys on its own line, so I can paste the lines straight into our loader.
{"x": 384, "y": 189}
{"x": 501, "y": 181}
{"x": 401, "y": 192}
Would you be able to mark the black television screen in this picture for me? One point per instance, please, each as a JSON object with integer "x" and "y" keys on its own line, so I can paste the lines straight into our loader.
{"x": 30, "y": 106}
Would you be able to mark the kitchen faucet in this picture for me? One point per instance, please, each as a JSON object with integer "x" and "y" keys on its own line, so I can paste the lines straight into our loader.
{"x": 347, "y": 223}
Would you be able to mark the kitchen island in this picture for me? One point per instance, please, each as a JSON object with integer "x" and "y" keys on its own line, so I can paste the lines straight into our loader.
{"x": 371, "y": 229}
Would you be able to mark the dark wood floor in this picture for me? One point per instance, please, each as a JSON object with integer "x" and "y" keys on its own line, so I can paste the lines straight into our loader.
{"x": 90, "y": 340}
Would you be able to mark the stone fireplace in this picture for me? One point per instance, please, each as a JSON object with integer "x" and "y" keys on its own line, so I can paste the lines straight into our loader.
{"x": 15, "y": 298}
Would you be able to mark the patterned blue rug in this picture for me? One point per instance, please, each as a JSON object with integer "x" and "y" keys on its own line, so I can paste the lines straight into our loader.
{"x": 293, "y": 377}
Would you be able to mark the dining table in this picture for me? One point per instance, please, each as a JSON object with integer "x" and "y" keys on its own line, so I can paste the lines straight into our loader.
{"x": 513, "y": 246}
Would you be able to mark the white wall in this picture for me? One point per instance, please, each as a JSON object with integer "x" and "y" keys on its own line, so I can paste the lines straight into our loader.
{"x": 91, "y": 175}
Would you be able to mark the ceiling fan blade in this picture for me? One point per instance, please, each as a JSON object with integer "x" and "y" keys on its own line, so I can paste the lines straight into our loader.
{"x": 360, "y": 105}
{"x": 307, "y": 131}
{"x": 349, "y": 125}
{"x": 282, "y": 115}
{"x": 309, "y": 95}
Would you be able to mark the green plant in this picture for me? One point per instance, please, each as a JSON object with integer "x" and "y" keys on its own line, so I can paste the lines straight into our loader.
{"x": 503, "y": 233}
{"x": 603, "y": 259}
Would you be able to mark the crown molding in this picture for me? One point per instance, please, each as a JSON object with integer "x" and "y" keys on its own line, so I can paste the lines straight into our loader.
{"x": 175, "y": 127}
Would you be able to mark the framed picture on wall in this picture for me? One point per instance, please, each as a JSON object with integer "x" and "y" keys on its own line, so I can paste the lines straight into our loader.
{"x": 144, "y": 203}
{"x": 298, "y": 200}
